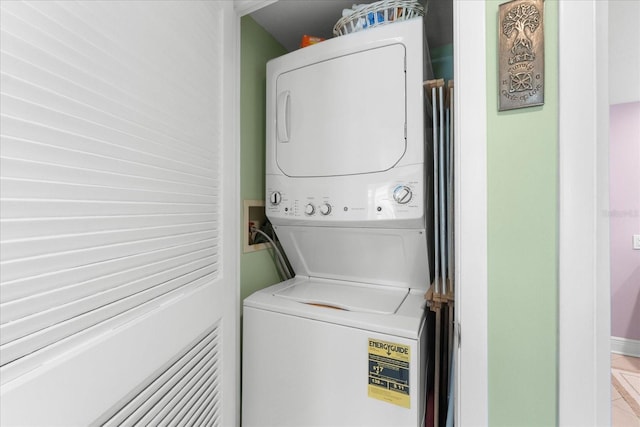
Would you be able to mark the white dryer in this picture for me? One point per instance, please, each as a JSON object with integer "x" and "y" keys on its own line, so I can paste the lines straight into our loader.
{"x": 343, "y": 342}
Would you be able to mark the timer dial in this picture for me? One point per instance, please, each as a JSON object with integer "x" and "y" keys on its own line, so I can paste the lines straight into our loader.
{"x": 402, "y": 194}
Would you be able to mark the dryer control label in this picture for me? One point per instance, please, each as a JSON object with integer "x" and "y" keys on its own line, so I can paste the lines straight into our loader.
{"x": 389, "y": 372}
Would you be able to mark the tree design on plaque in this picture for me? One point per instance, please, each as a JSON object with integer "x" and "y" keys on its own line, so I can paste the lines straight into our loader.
{"x": 521, "y": 19}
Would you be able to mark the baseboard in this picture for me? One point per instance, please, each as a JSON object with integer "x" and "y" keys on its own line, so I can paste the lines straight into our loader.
{"x": 625, "y": 346}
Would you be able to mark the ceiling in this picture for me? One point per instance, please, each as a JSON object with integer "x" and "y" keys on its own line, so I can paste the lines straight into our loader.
{"x": 288, "y": 20}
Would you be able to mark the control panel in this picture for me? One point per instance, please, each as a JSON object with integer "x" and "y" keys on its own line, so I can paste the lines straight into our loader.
{"x": 346, "y": 199}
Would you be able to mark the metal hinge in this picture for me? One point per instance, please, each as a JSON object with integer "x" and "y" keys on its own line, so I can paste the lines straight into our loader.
{"x": 458, "y": 333}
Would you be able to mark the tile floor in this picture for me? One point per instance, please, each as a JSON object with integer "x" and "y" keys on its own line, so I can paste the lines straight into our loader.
{"x": 621, "y": 413}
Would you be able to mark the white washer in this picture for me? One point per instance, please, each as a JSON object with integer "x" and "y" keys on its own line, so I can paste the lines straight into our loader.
{"x": 361, "y": 364}
{"x": 343, "y": 343}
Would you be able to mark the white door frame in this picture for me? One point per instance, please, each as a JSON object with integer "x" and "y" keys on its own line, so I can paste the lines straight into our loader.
{"x": 470, "y": 129}
{"x": 231, "y": 198}
{"x": 584, "y": 289}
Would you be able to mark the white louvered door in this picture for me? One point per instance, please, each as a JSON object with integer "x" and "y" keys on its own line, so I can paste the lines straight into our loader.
{"x": 118, "y": 262}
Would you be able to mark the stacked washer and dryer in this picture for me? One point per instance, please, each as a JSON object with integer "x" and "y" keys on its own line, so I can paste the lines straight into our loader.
{"x": 343, "y": 343}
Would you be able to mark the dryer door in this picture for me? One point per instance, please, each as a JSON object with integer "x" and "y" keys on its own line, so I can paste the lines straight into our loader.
{"x": 342, "y": 116}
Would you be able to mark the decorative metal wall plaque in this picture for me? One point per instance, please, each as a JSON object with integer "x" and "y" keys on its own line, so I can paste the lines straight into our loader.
{"x": 521, "y": 54}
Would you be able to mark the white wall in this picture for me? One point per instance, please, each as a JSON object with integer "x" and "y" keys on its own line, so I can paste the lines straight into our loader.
{"x": 624, "y": 51}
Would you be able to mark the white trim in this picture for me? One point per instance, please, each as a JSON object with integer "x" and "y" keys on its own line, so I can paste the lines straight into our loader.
{"x": 231, "y": 202}
{"x": 245, "y": 7}
{"x": 625, "y": 346}
{"x": 584, "y": 301}
{"x": 471, "y": 211}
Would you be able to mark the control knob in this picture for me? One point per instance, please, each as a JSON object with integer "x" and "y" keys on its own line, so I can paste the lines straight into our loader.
{"x": 402, "y": 194}
{"x": 309, "y": 209}
{"x": 275, "y": 198}
{"x": 325, "y": 209}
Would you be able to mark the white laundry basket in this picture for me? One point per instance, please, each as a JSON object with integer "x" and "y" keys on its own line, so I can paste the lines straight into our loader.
{"x": 378, "y": 13}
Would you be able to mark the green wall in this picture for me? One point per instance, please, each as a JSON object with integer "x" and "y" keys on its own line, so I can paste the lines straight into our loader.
{"x": 522, "y": 199}
{"x": 257, "y": 269}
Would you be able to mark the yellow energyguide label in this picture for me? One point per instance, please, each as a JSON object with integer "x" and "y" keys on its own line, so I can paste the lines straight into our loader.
{"x": 389, "y": 372}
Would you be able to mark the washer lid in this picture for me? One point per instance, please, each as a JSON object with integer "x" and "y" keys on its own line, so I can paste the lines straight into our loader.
{"x": 348, "y": 296}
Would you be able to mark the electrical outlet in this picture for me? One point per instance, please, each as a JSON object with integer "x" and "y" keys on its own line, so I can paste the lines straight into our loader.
{"x": 636, "y": 241}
